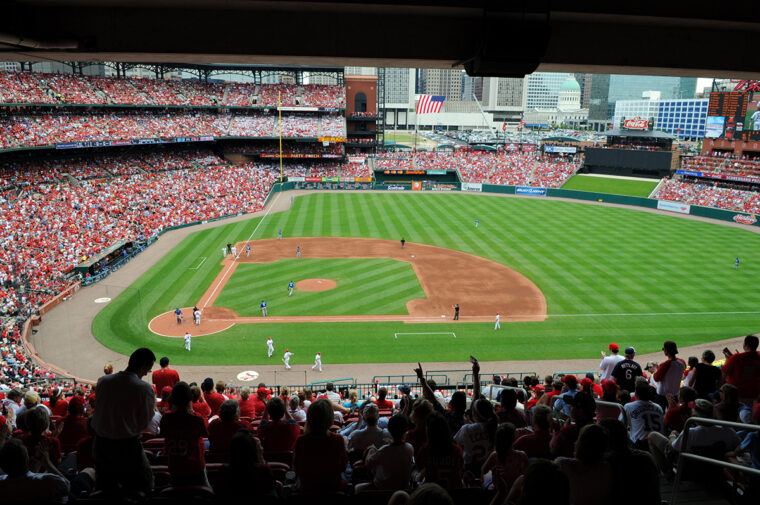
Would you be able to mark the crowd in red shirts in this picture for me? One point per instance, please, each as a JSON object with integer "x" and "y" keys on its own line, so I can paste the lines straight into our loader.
{"x": 26, "y": 87}
{"x": 708, "y": 195}
{"x": 499, "y": 442}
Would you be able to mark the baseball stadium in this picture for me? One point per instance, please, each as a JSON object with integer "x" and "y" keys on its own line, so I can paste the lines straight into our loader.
{"x": 215, "y": 255}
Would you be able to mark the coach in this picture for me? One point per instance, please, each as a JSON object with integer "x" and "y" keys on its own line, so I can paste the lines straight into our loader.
{"x": 125, "y": 407}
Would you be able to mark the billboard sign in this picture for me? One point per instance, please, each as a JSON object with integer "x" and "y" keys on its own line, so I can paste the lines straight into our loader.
{"x": 636, "y": 123}
{"x": 527, "y": 190}
{"x": 472, "y": 186}
{"x": 559, "y": 149}
{"x": 745, "y": 219}
{"x": 681, "y": 208}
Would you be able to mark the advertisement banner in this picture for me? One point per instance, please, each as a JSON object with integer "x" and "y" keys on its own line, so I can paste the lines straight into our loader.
{"x": 745, "y": 219}
{"x": 527, "y": 190}
{"x": 313, "y": 179}
{"x": 679, "y": 207}
{"x": 416, "y": 185}
{"x": 296, "y": 179}
{"x": 363, "y": 179}
{"x": 559, "y": 149}
{"x": 689, "y": 172}
{"x": 357, "y": 159}
{"x": 396, "y": 187}
{"x": 511, "y": 147}
{"x": 435, "y": 172}
{"x": 332, "y": 139}
{"x": 298, "y": 109}
{"x": 472, "y": 186}
{"x": 328, "y": 179}
{"x": 528, "y": 148}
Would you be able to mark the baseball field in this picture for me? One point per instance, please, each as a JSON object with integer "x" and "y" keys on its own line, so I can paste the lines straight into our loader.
{"x": 567, "y": 278}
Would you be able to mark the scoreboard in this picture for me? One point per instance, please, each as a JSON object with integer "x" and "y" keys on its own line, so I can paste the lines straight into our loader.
{"x": 733, "y": 116}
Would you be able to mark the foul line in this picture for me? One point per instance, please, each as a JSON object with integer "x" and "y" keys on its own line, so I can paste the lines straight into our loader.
{"x": 636, "y": 314}
{"x": 395, "y": 335}
{"x": 199, "y": 264}
{"x": 211, "y": 295}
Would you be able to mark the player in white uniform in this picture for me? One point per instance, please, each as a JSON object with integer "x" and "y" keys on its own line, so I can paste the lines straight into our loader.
{"x": 234, "y": 251}
{"x": 270, "y": 347}
{"x": 497, "y": 326}
{"x": 608, "y": 362}
{"x": 224, "y": 252}
{"x": 317, "y": 361}
{"x": 197, "y": 316}
{"x": 188, "y": 340}
{"x": 286, "y": 359}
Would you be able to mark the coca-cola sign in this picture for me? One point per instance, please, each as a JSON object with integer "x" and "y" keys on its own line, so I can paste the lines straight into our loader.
{"x": 745, "y": 219}
{"x": 636, "y": 124}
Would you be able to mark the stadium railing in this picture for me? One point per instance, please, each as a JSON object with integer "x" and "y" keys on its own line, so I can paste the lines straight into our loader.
{"x": 343, "y": 380}
{"x": 685, "y": 455}
{"x": 581, "y": 373}
{"x": 600, "y": 403}
{"x": 487, "y": 376}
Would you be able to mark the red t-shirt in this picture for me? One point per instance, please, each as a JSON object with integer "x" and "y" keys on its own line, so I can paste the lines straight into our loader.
{"x": 74, "y": 430}
{"x": 184, "y": 435}
{"x": 259, "y": 405}
{"x": 214, "y": 401}
{"x": 384, "y": 404}
{"x": 60, "y": 409}
{"x": 278, "y": 436}
{"x": 54, "y": 446}
{"x": 220, "y": 435}
{"x": 248, "y": 407}
{"x": 535, "y": 445}
{"x": 164, "y": 377}
{"x": 743, "y": 371}
{"x": 319, "y": 461}
{"x": 84, "y": 453}
{"x": 202, "y": 409}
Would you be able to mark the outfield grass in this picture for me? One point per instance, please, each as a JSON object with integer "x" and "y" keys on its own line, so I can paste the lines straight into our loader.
{"x": 365, "y": 286}
{"x": 608, "y": 274}
{"x": 610, "y": 185}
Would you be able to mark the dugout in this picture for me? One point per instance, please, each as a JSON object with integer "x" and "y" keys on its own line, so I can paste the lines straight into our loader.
{"x": 109, "y": 258}
{"x": 632, "y": 153}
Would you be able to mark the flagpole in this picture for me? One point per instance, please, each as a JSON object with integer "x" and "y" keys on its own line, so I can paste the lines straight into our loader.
{"x": 279, "y": 115}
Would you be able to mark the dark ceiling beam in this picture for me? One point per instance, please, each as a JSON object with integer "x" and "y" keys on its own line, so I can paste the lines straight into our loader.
{"x": 486, "y": 37}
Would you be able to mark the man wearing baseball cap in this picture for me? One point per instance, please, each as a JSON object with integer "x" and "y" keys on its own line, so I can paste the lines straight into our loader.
{"x": 670, "y": 372}
{"x": 626, "y": 371}
{"x": 608, "y": 362}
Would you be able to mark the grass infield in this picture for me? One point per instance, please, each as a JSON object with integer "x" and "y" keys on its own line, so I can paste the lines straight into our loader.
{"x": 365, "y": 286}
{"x": 610, "y": 185}
{"x": 608, "y": 274}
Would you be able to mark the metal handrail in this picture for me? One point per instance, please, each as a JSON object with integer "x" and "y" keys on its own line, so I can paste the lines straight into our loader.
{"x": 684, "y": 455}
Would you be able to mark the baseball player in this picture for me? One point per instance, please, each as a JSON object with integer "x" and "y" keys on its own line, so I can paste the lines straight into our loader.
{"x": 188, "y": 340}
{"x": 290, "y": 288}
{"x": 286, "y": 359}
{"x": 456, "y": 312}
{"x": 248, "y": 251}
{"x": 197, "y": 316}
{"x": 224, "y": 252}
{"x": 298, "y": 251}
{"x": 403, "y": 241}
{"x": 229, "y": 247}
{"x": 736, "y": 263}
{"x": 497, "y": 326}
{"x": 270, "y": 347}
{"x": 234, "y": 250}
{"x": 317, "y": 361}
{"x": 279, "y": 235}
{"x": 178, "y": 313}
{"x": 477, "y": 222}
{"x": 263, "y": 308}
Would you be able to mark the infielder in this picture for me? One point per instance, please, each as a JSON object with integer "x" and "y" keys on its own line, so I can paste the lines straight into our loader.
{"x": 248, "y": 251}
{"x": 263, "y": 308}
{"x": 188, "y": 340}
{"x": 286, "y": 359}
{"x": 224, "y": 252}
{"x": 298, "y": 251}
{"x": 736, "y": 263}
{"x": 290, "y": 288}
{"x": 279, "y": 235}
{"x": 234, "y": 250}
{"x": 497, "y": 326}
{"x": 197, "y": 316}
{"x": 317, "y": 361}
{"x": 178, "y": 313}
{"x": 270, "y": 347}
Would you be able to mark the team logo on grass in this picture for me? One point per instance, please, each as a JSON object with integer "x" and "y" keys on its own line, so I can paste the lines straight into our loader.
{"x": 744, "y": 219}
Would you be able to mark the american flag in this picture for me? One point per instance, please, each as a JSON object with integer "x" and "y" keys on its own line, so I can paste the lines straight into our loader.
{"x": 430, "y": 104}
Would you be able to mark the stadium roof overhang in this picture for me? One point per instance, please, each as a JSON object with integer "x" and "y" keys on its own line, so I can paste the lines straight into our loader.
{"x": 484, "y": 37}
{"x": 654, "y": 134}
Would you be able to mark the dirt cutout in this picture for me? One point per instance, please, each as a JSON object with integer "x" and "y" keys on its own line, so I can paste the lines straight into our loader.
{"x": 316, "y": 284}
{"x": 480, "y": 286}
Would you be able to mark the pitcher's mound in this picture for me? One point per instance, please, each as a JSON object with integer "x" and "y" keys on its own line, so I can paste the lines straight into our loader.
{"x": 315, "y": 284}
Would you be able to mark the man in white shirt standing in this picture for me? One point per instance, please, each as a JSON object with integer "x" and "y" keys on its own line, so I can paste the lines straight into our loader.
{"x": 317, "y": 361}
{"x": 497, "y": 326}
{"x": 608, "y": 362}
{"x": 126, "y": 405}
{"x": 188, "y": 340}
{"x": 669, "y": 373}
{"x": 270, "y": 347}
{"x": 286, "y": 359}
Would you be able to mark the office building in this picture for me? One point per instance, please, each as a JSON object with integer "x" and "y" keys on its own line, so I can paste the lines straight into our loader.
{"x": 685, "y": 119}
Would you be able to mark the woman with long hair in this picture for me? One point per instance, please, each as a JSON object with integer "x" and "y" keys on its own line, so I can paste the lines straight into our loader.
{"x": 320, "y": 455}
{"x": 440, "y": 459}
